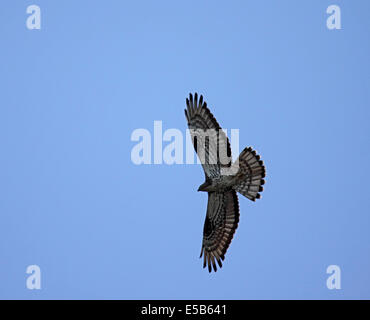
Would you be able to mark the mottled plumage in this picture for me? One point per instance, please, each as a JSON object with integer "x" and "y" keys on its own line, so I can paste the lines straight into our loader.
{"x": 222, "y": 179}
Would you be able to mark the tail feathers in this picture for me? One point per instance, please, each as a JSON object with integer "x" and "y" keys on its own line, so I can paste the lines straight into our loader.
{"x": 251, "y": 172}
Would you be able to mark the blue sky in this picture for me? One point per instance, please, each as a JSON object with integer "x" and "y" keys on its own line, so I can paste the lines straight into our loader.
{"x": 101, "y": 227}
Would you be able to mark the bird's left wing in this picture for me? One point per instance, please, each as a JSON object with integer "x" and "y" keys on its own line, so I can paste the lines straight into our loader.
{"x": 209, "y": 140}
{"x": 219, "y": 227}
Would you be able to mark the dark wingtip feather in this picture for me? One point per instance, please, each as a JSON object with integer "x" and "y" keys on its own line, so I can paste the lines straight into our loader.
{"x": 186, "y": 115}
{"x": 214, "y": 264}
{"x": 219, "y": 263}
{"x": 191, "y": 102}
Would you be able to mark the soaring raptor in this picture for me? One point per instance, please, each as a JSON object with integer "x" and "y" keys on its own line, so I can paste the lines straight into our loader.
{"x": 222, "y": 179}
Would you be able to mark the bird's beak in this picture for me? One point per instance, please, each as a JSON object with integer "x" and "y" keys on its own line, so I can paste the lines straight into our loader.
{"x": 203, "y": 186}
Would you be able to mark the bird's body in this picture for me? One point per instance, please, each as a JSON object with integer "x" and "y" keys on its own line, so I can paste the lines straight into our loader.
{"x": 223, "y": 179}
{"x": 219, "y": 184}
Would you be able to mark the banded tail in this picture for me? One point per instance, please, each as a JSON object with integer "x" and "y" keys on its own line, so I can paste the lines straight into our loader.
{"x": 251, "y": 172}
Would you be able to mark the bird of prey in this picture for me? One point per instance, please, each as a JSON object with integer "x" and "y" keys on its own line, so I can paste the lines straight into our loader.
{"x": 223, "y": 179}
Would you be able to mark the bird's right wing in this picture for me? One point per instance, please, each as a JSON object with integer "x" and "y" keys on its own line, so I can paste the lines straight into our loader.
{"x": 209, "y": 140}
{"x": 219, "y": 227}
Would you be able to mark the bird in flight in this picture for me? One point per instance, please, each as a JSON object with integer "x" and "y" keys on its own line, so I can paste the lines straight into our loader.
{"x": 223, "y": 179}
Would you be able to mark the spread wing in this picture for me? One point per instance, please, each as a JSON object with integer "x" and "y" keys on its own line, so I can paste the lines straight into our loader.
{"x": 209, "y": 140}
{"x": 219, "y": 227}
